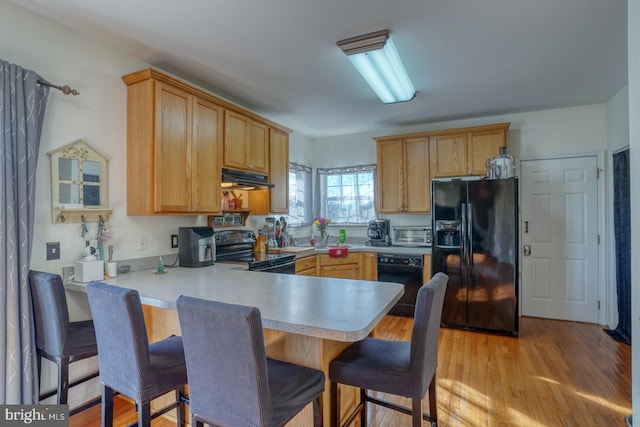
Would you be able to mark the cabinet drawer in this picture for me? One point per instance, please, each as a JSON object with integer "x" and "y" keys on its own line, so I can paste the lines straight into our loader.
{"x": 351, "y": 258}
{"x": 305, "y": 263}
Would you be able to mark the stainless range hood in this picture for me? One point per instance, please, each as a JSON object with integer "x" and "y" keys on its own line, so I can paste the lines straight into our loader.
{"x": 241, "y": 180}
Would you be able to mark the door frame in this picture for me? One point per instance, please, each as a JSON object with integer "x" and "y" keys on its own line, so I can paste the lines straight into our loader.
{"x": 603, "y": 215}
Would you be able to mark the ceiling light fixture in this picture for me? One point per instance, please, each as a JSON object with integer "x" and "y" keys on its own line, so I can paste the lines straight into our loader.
{"x": 376, "y": 58}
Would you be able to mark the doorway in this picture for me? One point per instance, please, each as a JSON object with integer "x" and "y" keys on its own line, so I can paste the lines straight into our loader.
{"x": 559, "y": 229}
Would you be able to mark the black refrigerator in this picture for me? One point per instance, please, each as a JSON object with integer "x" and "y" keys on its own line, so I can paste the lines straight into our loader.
{"x": 475, "y": 226}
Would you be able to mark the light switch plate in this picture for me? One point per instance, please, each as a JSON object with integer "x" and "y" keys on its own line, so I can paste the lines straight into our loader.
{"x": 53, "y": 250}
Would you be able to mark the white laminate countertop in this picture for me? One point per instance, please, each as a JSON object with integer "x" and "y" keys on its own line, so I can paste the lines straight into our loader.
{"x": 336, "y": 309}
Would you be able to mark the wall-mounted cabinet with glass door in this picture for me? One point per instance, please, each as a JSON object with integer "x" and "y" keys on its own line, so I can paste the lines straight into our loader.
{"x": 78, "y": 184}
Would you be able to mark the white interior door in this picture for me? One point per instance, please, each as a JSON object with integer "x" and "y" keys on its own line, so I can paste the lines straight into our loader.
{"x": 560, "y": 239}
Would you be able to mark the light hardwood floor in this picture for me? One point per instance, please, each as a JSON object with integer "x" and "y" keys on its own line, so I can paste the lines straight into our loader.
{"x": 555, "y": 374}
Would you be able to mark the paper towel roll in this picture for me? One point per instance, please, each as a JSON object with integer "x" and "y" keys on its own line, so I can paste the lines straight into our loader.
{"x": 111, "y": 268}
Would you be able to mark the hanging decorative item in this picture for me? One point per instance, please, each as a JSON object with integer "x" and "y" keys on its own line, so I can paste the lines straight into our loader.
{"x": 103, "y": 236}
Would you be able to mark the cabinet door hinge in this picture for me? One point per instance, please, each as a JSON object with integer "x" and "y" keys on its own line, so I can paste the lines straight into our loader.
{"x": 598, "y": 239}
{"x": 598, "y": 304}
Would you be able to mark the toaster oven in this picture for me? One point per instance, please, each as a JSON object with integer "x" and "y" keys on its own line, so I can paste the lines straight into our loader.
{"x": 411, "y": 236}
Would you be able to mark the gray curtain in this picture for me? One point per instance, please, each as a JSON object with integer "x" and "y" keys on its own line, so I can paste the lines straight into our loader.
{"x": 22, "y": 106}
{"x": 622, "y": 229}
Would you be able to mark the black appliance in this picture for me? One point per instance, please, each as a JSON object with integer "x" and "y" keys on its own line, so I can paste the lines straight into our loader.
{"x": 196, "y": 246}
{"x": 378, "y": 233}
{"x": 232, "y": 178}
{"x": 237, "y": 246}
{"x": 407, "y": 270}
{"x": 475, "y": 225}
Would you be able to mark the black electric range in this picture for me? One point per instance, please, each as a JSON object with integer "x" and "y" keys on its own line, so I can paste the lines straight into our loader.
{"x": 236, "y": 246}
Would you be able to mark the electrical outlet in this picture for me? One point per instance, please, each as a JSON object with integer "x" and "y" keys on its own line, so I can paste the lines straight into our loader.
{"x": 53, "y": 250}
{"x": 142, "y": 243}
{"x": 174, "y": 240}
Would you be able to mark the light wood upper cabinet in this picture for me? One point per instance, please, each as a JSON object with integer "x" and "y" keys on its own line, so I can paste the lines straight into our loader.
{"x": 390, "y": 173}
{"x": 172, "y": 149}
{"x": 206, "y": 154}
{"x": 417, "y": 193}
{"x": 174, "y": 140}
{"x": 403, "y": 175}
{"x": 279, "y": 170}
{"x": 466, "y": 151}
{"x": 449, "y": 154}
{"x": 258, "y": 148}
{"x": 246, "y": 143}
{"x": 178, "y": 137}
{"x": 483, "y": 145}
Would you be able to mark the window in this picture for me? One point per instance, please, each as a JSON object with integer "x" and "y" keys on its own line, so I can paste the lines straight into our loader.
{"x": 300, "y": 198}
{"x": 346, "y": 195}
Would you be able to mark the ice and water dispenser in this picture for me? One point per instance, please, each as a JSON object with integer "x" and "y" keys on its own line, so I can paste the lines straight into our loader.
{"x": 447, "y": 233}
{"x": 196, "y": 246}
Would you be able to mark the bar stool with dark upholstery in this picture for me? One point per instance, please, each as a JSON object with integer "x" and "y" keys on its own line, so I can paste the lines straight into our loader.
{"x": 128, "y": 364}
{"x": 395, "y": 367}
{"x": 231, "y": 381}
{"x": 57, "y": 339}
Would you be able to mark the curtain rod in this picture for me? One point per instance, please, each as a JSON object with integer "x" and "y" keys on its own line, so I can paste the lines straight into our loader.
{"x": 64, "y": 89}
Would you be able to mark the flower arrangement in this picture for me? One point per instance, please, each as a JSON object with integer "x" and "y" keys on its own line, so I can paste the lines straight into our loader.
{"x": 321, "y": 223}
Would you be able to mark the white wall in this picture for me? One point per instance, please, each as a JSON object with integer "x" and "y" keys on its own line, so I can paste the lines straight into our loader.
{"x": 97, "y": 115}
{"x": 633, "y": 26}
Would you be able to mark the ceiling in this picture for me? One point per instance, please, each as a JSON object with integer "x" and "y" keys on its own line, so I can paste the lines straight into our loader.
{"x": 278, "y": 58}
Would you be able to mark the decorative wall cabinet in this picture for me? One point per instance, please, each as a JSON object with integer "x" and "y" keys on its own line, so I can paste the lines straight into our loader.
{"x": 78, "y": 184}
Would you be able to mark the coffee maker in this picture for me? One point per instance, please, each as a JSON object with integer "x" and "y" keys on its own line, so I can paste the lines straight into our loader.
{"x": 196, "y": 246}
{"x": 378, "y": 232}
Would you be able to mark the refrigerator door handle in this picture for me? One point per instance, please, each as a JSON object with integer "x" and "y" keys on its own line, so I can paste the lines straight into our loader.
{"x": 469, "y": 237}
{"x": 462, "y": 237}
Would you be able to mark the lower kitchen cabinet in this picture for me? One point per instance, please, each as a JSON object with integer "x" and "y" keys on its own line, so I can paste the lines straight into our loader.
{"x": 369, "y": 263}
{"x": 356, "y": 265}
{"x": 307, "y": 266}
{"x": 347, "y": 267}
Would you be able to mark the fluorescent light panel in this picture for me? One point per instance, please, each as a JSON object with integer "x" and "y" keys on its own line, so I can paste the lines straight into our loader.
{"x": 376, "y": 58}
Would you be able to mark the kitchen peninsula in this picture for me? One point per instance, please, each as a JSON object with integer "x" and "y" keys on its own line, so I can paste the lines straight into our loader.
{"x": 307, "y": 320}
